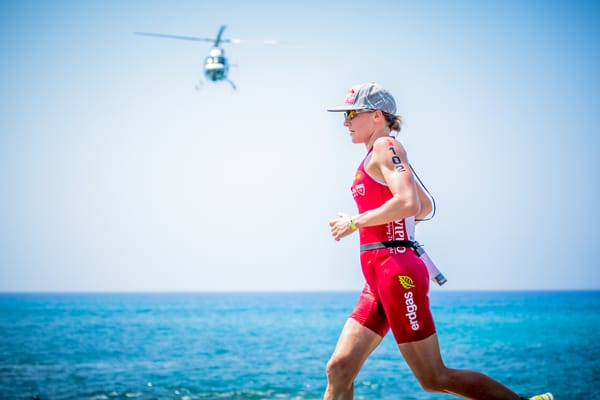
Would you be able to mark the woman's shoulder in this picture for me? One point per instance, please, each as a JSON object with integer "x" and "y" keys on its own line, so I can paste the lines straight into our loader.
{"x": 387, "y": 143}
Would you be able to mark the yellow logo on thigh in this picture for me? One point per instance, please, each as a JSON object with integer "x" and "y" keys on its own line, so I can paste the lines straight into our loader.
{"x": 406, "y": 282}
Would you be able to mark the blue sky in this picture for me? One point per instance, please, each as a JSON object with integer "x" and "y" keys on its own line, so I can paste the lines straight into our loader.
{"x": 117, "y": 175}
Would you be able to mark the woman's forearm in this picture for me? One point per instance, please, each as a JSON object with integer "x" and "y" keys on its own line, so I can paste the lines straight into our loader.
{"x": 392, "y": 210}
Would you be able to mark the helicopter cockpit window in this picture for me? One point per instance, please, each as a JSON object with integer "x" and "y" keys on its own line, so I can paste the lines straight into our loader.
{"x": 215, "y": 60}
{"x": 215, "y": 74}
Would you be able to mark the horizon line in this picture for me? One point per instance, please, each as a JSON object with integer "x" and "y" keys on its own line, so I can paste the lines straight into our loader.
{"x": 306, "y": 291}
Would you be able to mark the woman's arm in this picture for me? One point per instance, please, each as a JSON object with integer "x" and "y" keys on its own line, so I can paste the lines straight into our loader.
{"x": 389, "y": 163}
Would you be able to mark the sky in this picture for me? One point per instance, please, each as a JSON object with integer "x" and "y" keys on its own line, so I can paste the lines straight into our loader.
{"x": 116, "y": 174}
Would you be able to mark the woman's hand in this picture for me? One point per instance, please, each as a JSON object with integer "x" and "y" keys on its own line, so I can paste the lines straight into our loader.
{"x": 341, "y": 226}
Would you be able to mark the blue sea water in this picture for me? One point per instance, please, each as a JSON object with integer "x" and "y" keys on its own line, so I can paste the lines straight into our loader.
{"x": 275, "y": 345}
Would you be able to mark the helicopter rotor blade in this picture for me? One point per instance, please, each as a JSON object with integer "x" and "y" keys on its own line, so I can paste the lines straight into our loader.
{"x": 167, "y": 36}
{"x": 254, "y": 41}
{"x": 218, "y": 40}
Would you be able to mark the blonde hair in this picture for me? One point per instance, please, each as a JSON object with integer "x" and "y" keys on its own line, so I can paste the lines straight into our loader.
{"x": 394, "y": 122}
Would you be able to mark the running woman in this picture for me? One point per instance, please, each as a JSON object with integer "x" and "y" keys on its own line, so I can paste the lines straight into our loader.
{"x": 395, "y": 295}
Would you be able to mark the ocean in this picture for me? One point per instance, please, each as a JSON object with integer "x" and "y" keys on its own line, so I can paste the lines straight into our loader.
{"x": 275, "y": 345}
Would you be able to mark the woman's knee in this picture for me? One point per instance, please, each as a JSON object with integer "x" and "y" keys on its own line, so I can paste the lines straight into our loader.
{"x": 437, "y": 382}
{"x": 341, "y": 369}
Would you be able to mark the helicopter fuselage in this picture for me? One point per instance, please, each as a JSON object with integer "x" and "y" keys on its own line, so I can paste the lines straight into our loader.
{"x": 216, "y": 66}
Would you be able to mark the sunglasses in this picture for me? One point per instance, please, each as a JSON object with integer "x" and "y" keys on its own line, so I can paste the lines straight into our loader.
{"x": 350, "y": 115}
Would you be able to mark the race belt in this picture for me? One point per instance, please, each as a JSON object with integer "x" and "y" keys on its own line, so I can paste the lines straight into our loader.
{"x": 390, "y": 244}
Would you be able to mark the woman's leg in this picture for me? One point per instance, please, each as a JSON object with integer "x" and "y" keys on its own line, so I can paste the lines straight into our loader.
{"x": 355, "y": 344}
{"x": 425, "y": 361}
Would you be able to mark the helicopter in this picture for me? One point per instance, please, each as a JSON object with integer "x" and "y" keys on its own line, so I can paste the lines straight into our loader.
{"x": 216, "y": 66}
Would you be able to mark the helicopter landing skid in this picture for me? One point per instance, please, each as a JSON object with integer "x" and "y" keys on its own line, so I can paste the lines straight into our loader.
{"x": 201, "y": 84}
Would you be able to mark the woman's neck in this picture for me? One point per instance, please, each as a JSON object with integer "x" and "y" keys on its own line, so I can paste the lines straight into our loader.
{"x": 385, "y": 131}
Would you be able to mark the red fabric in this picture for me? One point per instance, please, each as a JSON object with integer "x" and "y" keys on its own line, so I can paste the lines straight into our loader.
{"x": 396, "y": 293}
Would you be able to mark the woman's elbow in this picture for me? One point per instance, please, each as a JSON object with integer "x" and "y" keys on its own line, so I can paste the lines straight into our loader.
{"x": 406, "y": 207}
{"x": 425, "y": 209}
{"x": 416, "y": 209}
{"x": 412, "y": 208}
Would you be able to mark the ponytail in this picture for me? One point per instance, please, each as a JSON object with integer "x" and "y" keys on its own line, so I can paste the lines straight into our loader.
{"x": 394, "y": 122}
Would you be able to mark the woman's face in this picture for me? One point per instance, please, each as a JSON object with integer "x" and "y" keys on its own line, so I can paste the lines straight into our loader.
{"x": 360, "y": 124}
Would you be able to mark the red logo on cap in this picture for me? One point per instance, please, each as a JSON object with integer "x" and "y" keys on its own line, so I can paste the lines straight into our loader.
{"x": 351, "y": 97}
